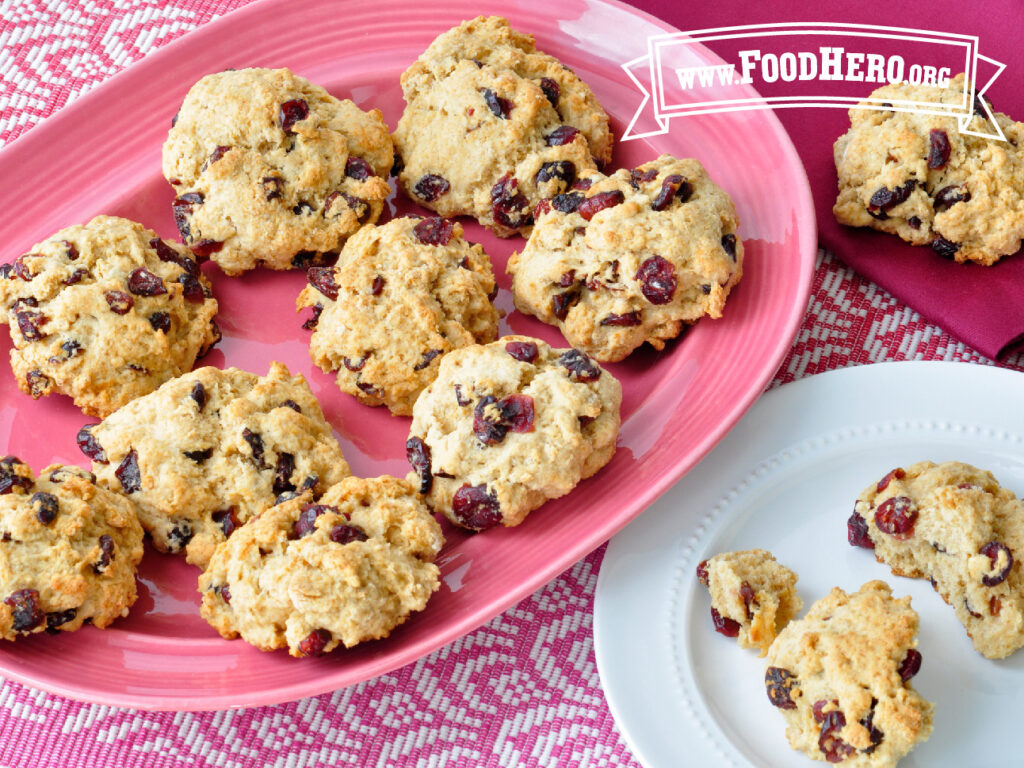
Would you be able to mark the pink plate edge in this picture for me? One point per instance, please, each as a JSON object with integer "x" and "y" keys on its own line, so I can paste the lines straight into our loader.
{"x": 807, "y": 246}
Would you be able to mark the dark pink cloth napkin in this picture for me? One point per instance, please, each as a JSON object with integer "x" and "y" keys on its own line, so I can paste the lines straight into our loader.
{"x": 982, "y": 306}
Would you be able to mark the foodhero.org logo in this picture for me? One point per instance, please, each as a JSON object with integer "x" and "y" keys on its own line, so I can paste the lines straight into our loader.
{"x": 807, "y": 65}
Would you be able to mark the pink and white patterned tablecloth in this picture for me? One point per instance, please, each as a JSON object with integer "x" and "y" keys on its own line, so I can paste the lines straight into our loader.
{"x": 523, "y": 690}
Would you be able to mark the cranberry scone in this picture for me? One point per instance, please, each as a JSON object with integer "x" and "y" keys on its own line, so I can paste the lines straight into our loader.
{"x": 953, "y": 524}
{"x": 105, "y": 313}
{"x": 401, "y": 296}
{"x": 272, "y": 170}
{"x": 840, "y": 676}
{"x": 210, "y": 449}
{"x": 309, "y": 576}
{"x": 492, "y": 125}
{"x": 506, "y": 426}
{"x": 630, "y": 258}
{"x": 68, "y": 550}
{"x": 753, "y": 596}
{"x": 916, "y": 175}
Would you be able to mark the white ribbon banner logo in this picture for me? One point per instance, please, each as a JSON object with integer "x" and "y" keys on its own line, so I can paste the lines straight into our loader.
{"x": 676, "y": 79}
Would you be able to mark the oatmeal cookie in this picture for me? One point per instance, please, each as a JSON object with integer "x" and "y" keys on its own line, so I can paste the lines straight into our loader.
{"x": 210, "y": 449}
{"x": 629, "y": 258}
{"x": 492, "y": 126}
{"x": 916, "y": 176}
{"x": 401, "y": 296}
{"x": 752, "y": 596}
{"x": 506, "y": 426}
{"x": 954, "y": 525}
{"x": 271, "y": 170}
{"x": 311, "y": 576}
{"x": 105, "y": 313}
{"x": 841, "y": 678}
{"x": 68, "y": 550}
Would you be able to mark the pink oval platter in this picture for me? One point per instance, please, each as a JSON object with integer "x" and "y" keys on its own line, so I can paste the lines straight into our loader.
{"x": 101, "y": 154}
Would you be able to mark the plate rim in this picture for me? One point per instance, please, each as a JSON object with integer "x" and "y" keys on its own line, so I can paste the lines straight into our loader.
{"x": 805, "y": 250}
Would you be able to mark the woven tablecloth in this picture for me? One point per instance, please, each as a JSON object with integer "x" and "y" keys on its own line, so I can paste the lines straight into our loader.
{"x": 522, "y": 690}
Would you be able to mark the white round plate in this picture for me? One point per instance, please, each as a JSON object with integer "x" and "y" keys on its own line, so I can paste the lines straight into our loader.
{"x": 785, "y": 479}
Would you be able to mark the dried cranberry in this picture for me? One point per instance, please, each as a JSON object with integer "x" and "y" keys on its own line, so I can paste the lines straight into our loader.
{"x": 749, "y": 598}
{"x": 199, "y": 456}
{"x": 938, "y": 150}
{"x": 142, "y": 282}
{"x": 368, "y": 388}
{"x": 120, "y": 303}
{"x": 179, "y": 536}
{"x": 488, "y": 425}
{"x": 594, "y": 205}
{"x": 255, "y": 443}
{"x": 914, "y": 222}
{"x": 26, "y": 614}
{"x": 433, "y": 231}
{"x": 357, "y": 168}
{"x": 779, "y": 683}
{"x": 996, "y": 551}
{"x": 346, "y": 533}
{"x": 56, "y": 619}
{"x": 227, "y": 520}
{"x": 377, "y": 285}
{"x": 322, "y": 278}
{"x": 160, "y": 321}
{"x": 563, "y": 134}
{"x": 183, "y": 207}
{"x": 524, "y": 351}
{"x": 874, "y": 734}
{"x": 88, "y": 444}
{"x": 128, "y": 474}
{"x": 509, "y": 206}
{"x": 45, "y": 506}
{"x": 303, "y": 208}
{"x": 272, "y": 186}
{"x": 198, "y": 394}
{"x": 638, "y": 177}
{"x": 77, "y": 276}
{"x": 418, "y": 454}
{"x": 896, "y": 516}
{"x": 292, "y": 112}
{"x": 21, "y": 269}
{"x": 66, "y": 473}
{"x": 729, "y": 245}
{"x": 561, "y": 303}
{"x": 857, "y": 532}
{"x": 428, "y": 356}
{"x": 567, "y": 278}
{"x": 657, "y": 278}
{"x": 7, "y": 271}
{"x": 568, "y": 202}
{"x": 724, "y": 625}
{"x": 944, "y": 247}
{"x": 551, "y": 90}
{"x": 30, "y": 324}
{"x": 895, "y": 474}
{"x": 191, "y": 289}
{"x": 630, "y": 318}
{"x": 950, "y": 196}
{"x": 205, "y": 248}
{"x": 517, "y": 412}
{"x": 473, "y": 507}
{"x": 563, "y": 170}
{"x": 314, "y": 318}
{"x": 499, "y": 107}
{"x": 225, "y": 592}
{"x": 306, "y": 522}
{"x": 283, "y": 473}
{"x": 579, "y": 365}
{"x": 460, "y": 398}
{"x": 315, "y": 642}
{"x": 355, "y": 365}
{"x": 702, "y": 573}
{"x": 910, "y": 665}
{"x": 431, "y": 187}
{"x": 216, "y": 155}
{"x": 834, "y": 748}
{"x": 672, "y": 186}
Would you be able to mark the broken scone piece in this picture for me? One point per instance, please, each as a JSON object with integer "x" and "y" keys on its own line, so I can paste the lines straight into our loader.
{"x": 752, "y": 596}
{"x": 841, "y": 678}
{"x": 954, "y": 525}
